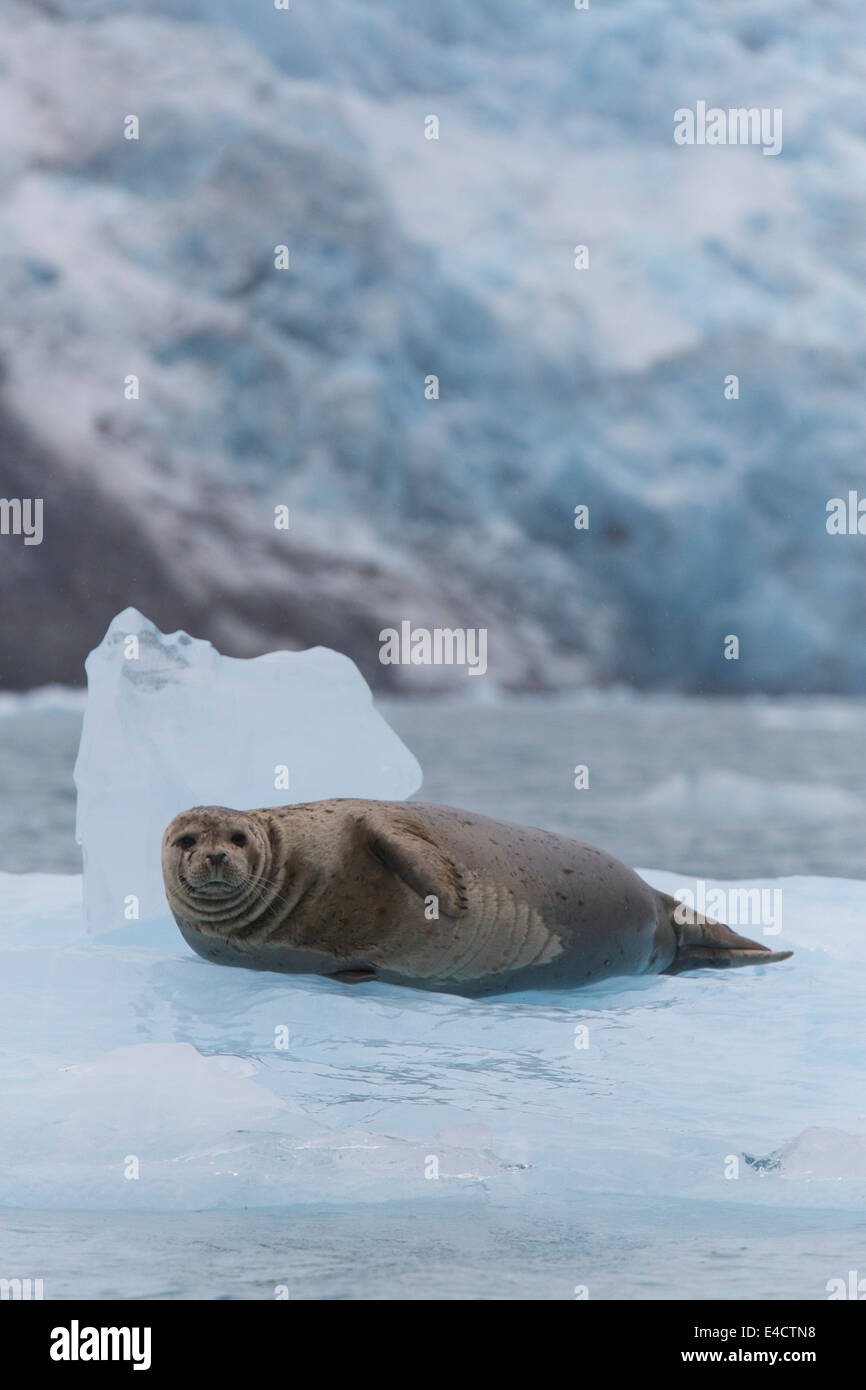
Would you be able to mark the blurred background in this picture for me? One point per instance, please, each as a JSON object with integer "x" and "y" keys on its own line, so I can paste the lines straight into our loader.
{"x": 453, "y": 258}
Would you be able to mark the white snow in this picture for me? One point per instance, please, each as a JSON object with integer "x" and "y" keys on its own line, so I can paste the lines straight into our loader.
{"x": 170, "y": 723}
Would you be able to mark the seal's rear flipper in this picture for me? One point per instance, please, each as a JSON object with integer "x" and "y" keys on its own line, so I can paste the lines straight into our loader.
{"x": 703, "y": 944}
{"x": 722, "y": 958}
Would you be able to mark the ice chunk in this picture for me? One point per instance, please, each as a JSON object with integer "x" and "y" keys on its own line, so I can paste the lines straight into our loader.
{"x": 499, "y": 1146}
{"x": 170, "y": 723}
{"x": 822, "y": 1152}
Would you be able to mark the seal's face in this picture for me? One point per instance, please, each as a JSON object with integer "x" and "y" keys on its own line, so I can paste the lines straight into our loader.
{"x": 214, "y": 862}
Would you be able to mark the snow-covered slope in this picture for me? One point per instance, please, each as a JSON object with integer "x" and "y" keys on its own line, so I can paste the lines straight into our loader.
{"x": 453, "y": 257}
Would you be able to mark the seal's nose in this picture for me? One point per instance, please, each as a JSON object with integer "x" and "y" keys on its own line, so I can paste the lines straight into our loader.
{"x": 215, "y": 859}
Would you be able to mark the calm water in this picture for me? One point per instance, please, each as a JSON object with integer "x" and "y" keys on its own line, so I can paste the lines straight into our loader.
{"x": 725, "y": 788}
{"x": 394, "y": 1250}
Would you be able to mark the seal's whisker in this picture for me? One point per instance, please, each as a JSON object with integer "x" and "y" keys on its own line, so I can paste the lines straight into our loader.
{"x": 259, "y": 886}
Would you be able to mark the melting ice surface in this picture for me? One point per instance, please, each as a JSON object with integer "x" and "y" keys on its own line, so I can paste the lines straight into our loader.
{"x": 293, "y": 1127}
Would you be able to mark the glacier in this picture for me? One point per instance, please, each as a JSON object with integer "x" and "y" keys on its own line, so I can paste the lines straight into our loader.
{"x": 452, "y": 257}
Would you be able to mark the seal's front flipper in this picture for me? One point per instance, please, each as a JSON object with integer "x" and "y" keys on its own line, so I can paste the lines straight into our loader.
{"x": 403, "y": 848}
{"x": 703, "y": 944}
{"x": 353, "y": 977}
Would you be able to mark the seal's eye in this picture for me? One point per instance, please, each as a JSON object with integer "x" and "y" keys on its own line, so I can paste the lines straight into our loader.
{"x": 185, "y": 842}
{"x": 239, "y": 838}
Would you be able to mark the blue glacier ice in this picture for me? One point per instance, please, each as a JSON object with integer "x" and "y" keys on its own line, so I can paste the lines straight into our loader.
{"x": 171, "y": 723}
{"x": 454, "y": 257}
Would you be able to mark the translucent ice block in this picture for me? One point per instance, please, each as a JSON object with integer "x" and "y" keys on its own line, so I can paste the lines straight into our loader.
{"x": 170, "y": 724}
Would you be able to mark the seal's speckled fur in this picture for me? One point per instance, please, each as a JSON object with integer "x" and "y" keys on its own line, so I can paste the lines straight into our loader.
{"x": 351, "y": 889}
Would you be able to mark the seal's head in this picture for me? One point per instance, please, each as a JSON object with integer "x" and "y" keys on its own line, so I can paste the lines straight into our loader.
{"x": 215, "y": 864}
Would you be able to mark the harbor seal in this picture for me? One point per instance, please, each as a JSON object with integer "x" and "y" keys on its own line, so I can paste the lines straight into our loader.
{"x": 427, "y": 896}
